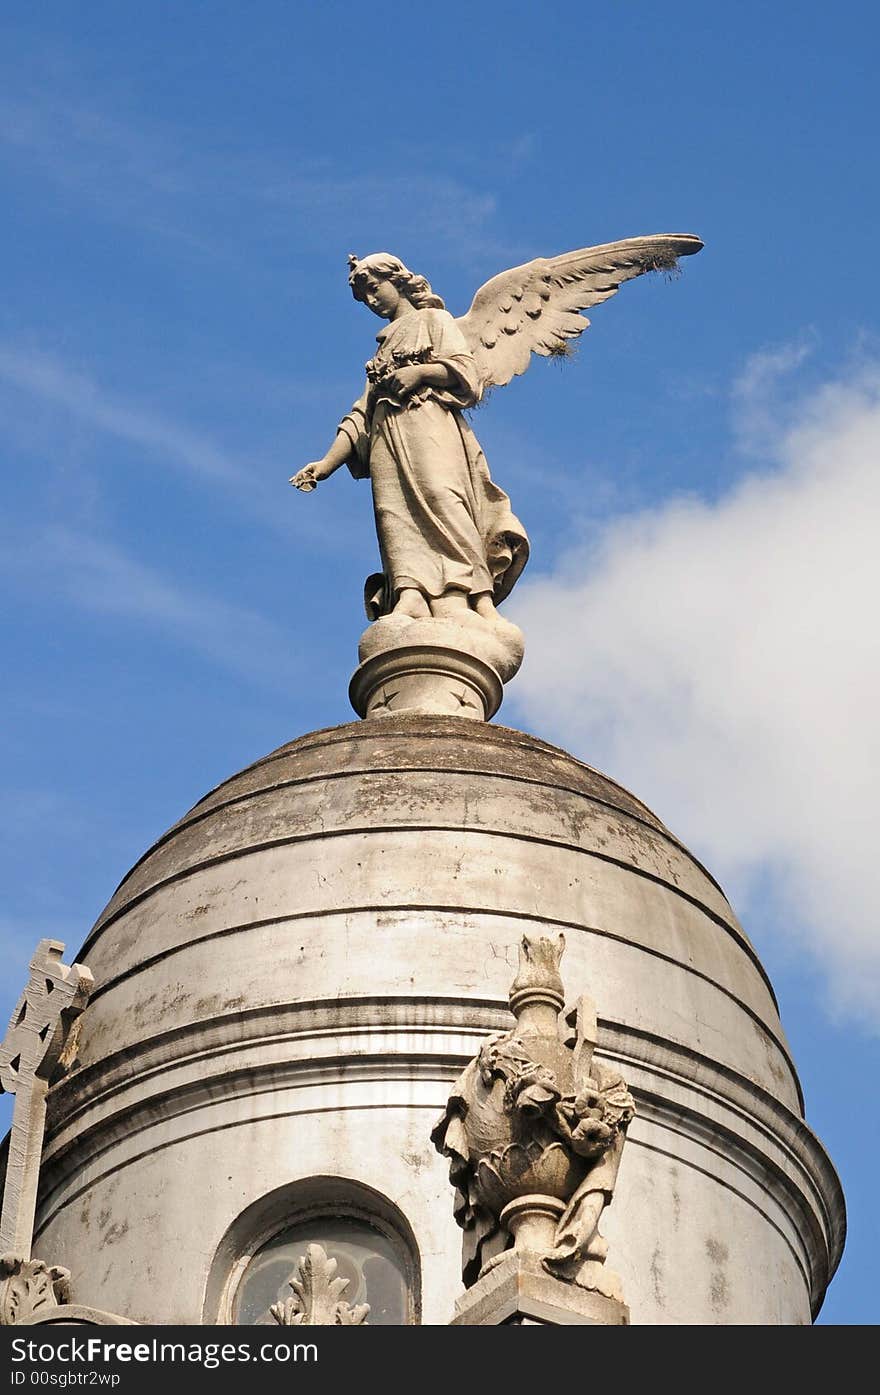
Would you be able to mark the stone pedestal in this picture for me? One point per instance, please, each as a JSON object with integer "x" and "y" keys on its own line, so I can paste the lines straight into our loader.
{"x": 451, "y": 667}
{"x": 532, "y": 1221}
{"x": 517, "y": 1291}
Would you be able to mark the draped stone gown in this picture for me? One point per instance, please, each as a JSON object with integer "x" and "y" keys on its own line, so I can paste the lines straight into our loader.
{"x": 441, "y": 522}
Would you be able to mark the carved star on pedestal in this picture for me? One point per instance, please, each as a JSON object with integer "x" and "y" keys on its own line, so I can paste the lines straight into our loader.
{"x": 386, "y": 699}
{"x": 464, "y": 699}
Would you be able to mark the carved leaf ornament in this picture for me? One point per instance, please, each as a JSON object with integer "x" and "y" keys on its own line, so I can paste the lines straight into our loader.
{"x": 27, "y": 1286}
{"x": 317, "y": 1296}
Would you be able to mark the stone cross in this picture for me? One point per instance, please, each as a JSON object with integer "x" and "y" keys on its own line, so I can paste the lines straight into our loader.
{"x": 581, "y": 1035}
{"x": 38, "y": 1033}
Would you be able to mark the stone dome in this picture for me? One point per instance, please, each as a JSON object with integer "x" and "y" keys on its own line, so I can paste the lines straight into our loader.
{"x": 290, "y": 979}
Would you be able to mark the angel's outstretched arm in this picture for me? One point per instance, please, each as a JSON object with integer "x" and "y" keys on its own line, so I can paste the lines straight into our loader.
{"x": 350, "y": 447}
{"x": 339, "y": 454}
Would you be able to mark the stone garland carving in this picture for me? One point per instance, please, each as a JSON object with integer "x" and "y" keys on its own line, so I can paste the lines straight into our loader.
{"x": 317, "y": 1296}
{"x": 534, "y": 1129}
{"x": 40, "y": 1039}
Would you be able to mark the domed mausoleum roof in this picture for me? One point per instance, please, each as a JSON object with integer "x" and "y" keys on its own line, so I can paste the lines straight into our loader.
{"x": 290, "y": 978}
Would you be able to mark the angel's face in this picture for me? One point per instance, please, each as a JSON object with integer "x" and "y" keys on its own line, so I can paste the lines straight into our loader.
{"x": 382, "y": 297}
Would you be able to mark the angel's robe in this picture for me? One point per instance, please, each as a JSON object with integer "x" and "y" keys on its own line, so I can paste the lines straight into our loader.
{"x": 441, "y": 522}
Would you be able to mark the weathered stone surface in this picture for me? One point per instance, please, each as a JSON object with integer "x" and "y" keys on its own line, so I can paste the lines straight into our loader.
{"x": 516, "y": 1291}
{"x": 291, "y": 979}
{"x": 496, "y": 642}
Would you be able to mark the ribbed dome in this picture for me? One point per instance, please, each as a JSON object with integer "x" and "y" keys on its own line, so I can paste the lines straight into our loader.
{"x": 322, "y": 942}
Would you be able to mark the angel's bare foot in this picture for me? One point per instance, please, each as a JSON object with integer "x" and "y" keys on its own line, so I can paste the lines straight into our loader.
{"x": 411, "y": 602}
{"x": 485, "y": 606}
{"x": 451, "y": 604}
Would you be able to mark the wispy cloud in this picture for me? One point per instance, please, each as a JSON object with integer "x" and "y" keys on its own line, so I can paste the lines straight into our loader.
{"x": 723, "y": 660}
{"x": 160, "y": 181}
{"x": 75, "y": 144}
{"x": 406, "y": 207}
{"x": 765, "y": 393}
{"x": 98, "y": 577}
{"x": 132, "y": 174}
{"x": 79, "y": 394}
{"x": 170, "y": 444}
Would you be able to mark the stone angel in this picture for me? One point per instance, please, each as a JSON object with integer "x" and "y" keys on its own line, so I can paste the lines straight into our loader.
{"x": 448, "y": 539}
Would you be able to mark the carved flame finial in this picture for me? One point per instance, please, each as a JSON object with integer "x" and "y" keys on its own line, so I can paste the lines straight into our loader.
{"x": 538, "y": 978}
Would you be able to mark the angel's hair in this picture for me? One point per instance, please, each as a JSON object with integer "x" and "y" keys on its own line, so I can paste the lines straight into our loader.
{"x": 381, "y": 266}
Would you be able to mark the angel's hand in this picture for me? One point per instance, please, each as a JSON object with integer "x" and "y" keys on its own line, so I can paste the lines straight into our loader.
{"x": 404, "y": 381}
{"x": 307, "y": 478}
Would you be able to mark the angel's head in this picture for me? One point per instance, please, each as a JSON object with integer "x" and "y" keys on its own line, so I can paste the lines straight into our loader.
{"x": 381, "y": 281}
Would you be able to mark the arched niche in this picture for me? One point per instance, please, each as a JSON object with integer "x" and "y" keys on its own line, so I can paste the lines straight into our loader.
{"x": 368, "y": 1236}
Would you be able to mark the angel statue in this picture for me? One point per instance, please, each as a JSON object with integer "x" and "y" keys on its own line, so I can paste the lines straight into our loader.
{"x": 450, "y": 545}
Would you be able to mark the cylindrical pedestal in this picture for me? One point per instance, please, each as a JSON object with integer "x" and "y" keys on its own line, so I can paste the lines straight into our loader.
{"x": 426, "y": 678}
{"x": 439, "y": 667}
{"x": 532, "y": 1222}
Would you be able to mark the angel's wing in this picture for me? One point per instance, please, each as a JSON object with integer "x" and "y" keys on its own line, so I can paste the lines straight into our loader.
{"x": 533, "y": 309}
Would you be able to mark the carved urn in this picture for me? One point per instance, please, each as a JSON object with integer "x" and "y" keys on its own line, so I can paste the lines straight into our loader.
{"x": 512, "y": 1144}
{"x": 534, "y": 1133}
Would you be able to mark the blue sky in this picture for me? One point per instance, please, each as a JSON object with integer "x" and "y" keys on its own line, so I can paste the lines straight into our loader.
{"x": 181, "y": 185}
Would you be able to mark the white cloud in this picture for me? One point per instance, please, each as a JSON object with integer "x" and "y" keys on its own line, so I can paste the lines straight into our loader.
{"x": 723, "y": 660}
